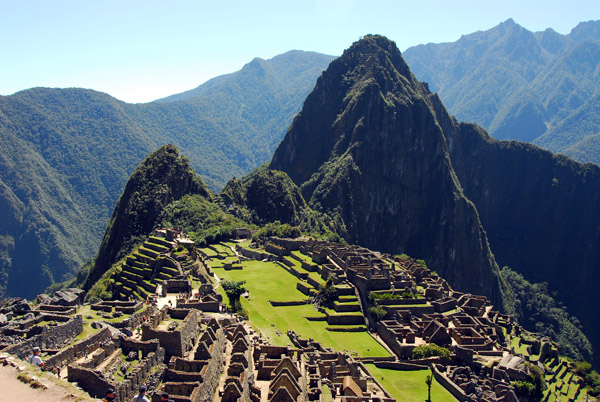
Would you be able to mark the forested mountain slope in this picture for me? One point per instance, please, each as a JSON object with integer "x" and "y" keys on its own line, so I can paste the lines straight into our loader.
{"x": 67, "y": 153}
{"x": 517, "y": 84}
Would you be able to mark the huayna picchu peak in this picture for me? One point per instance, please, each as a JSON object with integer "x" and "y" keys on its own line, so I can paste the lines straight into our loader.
{"x": 367, "y": 143}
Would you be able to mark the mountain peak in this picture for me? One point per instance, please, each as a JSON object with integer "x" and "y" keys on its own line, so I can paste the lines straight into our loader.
{"x": 376, "y": 51}
{"x": 509, "y": 22}
{"x": 588, "y": 30}
{"x": 368, "y": 146}
{"x": 371, "y": 70}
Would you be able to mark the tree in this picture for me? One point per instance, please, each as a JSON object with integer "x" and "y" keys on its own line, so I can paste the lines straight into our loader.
{"x": 326, "y": 295}
{"x": 428, "y": 381}
{"x": 234, "y": 290}
{"x": 430, "y": 350}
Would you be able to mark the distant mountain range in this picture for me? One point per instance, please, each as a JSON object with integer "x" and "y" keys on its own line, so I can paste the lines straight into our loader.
{"x": 539, "y": 87}
{"x": 65, "y": 155}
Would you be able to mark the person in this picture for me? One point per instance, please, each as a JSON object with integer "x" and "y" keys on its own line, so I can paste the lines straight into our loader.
{"x": 36, "y": 359}
{"x": 141, "y": 397}
{"x": 110, "y": 395}
{"x": 164, "y": 397}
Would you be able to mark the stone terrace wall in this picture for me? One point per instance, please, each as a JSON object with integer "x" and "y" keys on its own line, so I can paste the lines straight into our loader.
{"x": 256, "y": 255}
{"x": 289, "y": 244}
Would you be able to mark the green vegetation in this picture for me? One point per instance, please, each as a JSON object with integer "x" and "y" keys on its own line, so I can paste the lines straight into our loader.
{"x": 529, "y": 97}
{"x": 409, "y": 385}
{"x": 533, "y": 388}
{"x": 234, "y": 290}
{"x": 428, "y": 382}
{"x": 203, "y": 220}
{"x": 377, "y": 311}
{"x": 591, "y": 377}
{"x": 67, "y": 154}
{"x": 277, "y": 229}
{"x": 537, "y": 311}
{"x": 163, "y": 177}
{"x": 267, "y": 281}
{"x": 430, "y": 350}
{"x": 326, "y": 295}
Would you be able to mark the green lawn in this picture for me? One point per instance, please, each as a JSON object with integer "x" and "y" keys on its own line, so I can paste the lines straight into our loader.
{"x": 209, "y": 252}
{"x": 409, "y": 385}
{"x": 223, "y": 249}
{"x": 267, "y": 281}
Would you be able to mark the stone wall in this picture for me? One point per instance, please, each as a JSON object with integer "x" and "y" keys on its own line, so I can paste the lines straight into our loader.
{"x": 178, "y": 285}
{"x": 445, "y": 382}
{"x": 275, "y": 249}
{"x": 94, "y": 383}
{"x": 55, "y": 336}
{"x": 90, "y": 381}
{"x": 212, "y": 372}
{"x": 356, "y": 319}
{"x": 256, "y": 255}
{"x": 68, "y": 310}
{"x": 303, "y": 287}
{"x": 77, "y": 350}
{"x": 180, "y": 341}
{"x": 211, "y": 307}
{"x": 289, "y": 244}
{"x": 50, "y": 338}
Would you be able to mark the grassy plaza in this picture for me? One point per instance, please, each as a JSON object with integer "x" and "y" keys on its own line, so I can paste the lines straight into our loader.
{"x": 267, "y": 281}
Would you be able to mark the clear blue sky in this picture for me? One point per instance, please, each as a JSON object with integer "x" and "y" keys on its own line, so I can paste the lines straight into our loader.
{"x": 139, "y": 51}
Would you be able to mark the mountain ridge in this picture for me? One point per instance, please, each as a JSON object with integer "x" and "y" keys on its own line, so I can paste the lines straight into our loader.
{"x": 80, "y": 146}
{"x": 515, "y": 83}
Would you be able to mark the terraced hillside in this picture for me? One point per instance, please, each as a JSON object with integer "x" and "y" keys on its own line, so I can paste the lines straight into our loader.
{"x": 148, "y": 266}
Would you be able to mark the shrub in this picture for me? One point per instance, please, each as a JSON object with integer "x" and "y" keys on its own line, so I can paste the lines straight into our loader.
{"x": 430, "y": 350}
{"x": 377, "y": 311}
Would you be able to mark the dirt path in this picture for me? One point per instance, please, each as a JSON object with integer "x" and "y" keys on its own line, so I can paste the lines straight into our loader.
{"x": 15, "y": 390}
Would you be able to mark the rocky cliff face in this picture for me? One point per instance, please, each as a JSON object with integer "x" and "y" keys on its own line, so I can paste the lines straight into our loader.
{"x": 369, "y": 146}
{"x": 540, "y": 211}
{"x": 163, "y": 177}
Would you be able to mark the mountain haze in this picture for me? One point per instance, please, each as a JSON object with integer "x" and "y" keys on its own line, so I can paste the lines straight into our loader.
{"x": 67, "y": 153}
{"x": 528, "y": 86}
